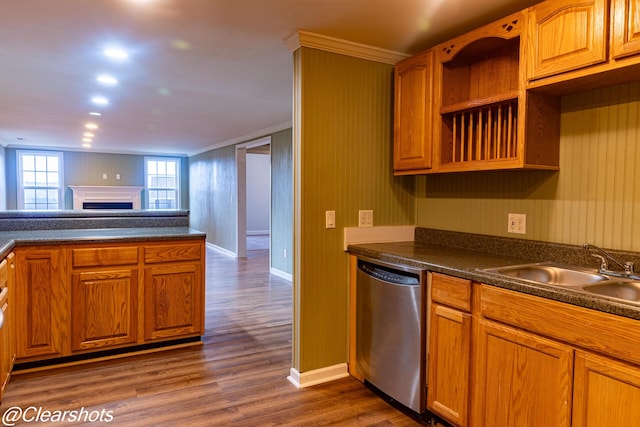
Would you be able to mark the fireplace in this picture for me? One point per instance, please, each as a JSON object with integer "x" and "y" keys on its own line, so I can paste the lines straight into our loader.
{"x": 106, "y": 197}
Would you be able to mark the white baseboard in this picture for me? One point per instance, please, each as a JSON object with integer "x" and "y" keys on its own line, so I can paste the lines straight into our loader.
{"x": 281, "y": 274}
{"x": 318, "y": 376}
{"x": 258, "y": 233}
{"x": 382, "y": 234}
{"x": 222, "y": 250}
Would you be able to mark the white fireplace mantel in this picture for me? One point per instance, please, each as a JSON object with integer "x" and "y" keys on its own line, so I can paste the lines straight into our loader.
{"x": 108, "y": 194}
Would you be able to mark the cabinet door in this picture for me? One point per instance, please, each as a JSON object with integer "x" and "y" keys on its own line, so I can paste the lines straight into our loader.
{"x": 104, "y": 308}
{"x": 11, "y": 323}
{"x": 625, "y": 34}
{"x": 607, "y": 392}
{"x": 565, "y": 35}
{"x": 5, "y": 350}
{"x": 41, "y": 303}
{"x": 521, "y": 380}
{"x": 174, "y": 303}
{"x": 449, "y": 359}
{"x": 412, "y": 142}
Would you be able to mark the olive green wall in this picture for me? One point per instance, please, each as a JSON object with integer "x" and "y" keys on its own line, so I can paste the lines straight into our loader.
{"x": 86, "y": 168}
{"x": 595, "y": 197}
{"x": 282, "y": 201}
{"x": 342, "y": 162}
{"x": 212, "y": 194}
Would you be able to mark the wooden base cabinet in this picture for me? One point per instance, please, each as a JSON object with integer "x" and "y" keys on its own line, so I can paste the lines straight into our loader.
{"x": 81, "y": 298}
{"x": 41, "y": 297}
{"x": 607, "y": 392}
{"x": 449, "y": 348}
{"x": 105, "y": 308}
{"x": 449, "y": 360}
{"x": 521, "y": 379}
{"x": 173, "y": 301}
{"x": 7, "y": 332}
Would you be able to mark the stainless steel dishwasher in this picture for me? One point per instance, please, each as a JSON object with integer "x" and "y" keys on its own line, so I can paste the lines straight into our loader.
{"x": 390, "y": 330}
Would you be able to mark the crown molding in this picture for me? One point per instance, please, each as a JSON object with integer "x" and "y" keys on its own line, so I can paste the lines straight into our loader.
{"x": 344, "y": 47}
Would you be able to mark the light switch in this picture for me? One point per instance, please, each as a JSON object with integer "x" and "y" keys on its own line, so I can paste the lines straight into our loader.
{"x": 330, "y": 219}
{"x": 104, "y": 176}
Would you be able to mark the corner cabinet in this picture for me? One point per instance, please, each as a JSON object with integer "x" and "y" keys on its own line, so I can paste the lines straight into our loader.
{"x": 413, "y": 108}
{"x": 486, "y": 120}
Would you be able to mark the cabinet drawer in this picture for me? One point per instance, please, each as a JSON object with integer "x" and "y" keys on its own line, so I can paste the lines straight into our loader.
{"x": 452, "y": 291}
{"x": 96, "y": 257}
{"x": 172, "y": 253}
{"x": 4, "y": 273}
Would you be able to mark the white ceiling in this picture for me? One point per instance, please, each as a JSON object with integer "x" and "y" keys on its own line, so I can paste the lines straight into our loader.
{"x": 202, "y": 73}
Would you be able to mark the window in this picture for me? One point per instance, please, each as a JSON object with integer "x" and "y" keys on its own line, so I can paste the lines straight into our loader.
{"x": 163, "y": 182}
{"x": 39, "y": 180}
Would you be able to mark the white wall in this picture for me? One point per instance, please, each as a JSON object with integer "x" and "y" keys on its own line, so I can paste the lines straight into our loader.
{"x": 258, "y": 193}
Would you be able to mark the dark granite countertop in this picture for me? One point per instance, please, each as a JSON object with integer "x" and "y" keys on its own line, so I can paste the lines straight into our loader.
{"x": 10, "y": 239}
{"x": 465, "y": 263}
{"x": 91, "y": 213}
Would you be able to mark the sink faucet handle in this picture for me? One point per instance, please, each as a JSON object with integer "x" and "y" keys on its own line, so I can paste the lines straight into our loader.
{"x": 628, "y": 268}
{"x": 603, "y": 262}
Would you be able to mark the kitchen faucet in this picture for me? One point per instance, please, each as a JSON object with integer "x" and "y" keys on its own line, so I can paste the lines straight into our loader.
{"x": 603, "y": 256}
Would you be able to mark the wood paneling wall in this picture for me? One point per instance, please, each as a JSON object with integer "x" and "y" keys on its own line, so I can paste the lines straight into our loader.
{"x": 342, "y": 162}
{"x": 595, "y": 197}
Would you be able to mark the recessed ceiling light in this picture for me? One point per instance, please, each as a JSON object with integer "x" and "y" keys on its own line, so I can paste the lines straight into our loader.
{"x": 87, "y": 140}
{"x": 100, "y": 100}
{"x": 107, "y": 80}
{"x": 116, "y": 53}
{"x": 88, "y": 135}
{"x": 95, "y": 113}
{"x": 91, "y": 126}
{"x": 86, "y": 145}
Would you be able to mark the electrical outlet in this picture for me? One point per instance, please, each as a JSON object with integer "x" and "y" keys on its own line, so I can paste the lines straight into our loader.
{"x": 330, "y": 219}
{"x": 284, "y": 253}
{"x": 365, "y": 218}
{"x": 517, "y": 223}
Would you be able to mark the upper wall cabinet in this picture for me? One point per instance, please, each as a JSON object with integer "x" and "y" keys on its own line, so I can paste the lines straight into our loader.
{"x": 565, "y": 35}
{"x": 625, "y": 35}
{"x": 413, "y": 105}
{"x": 485, "y": 119}
{"x": 575, "y": 45}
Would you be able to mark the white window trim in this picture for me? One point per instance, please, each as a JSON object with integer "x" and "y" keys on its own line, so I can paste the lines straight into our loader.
{"x": 59, "y": 154}
{"x": 178, "y": 178}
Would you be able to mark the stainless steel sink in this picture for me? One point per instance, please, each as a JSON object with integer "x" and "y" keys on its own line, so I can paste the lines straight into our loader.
{"x": 574, "y": 278}
{"x": 549, "y": 273}
{"x": 628, "y": 291}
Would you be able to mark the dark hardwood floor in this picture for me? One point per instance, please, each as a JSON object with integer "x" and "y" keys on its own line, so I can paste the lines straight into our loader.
{"x": 238, "y": 377}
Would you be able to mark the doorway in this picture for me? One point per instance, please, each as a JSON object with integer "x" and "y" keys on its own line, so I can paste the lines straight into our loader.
{"x": 254, "y": 196}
